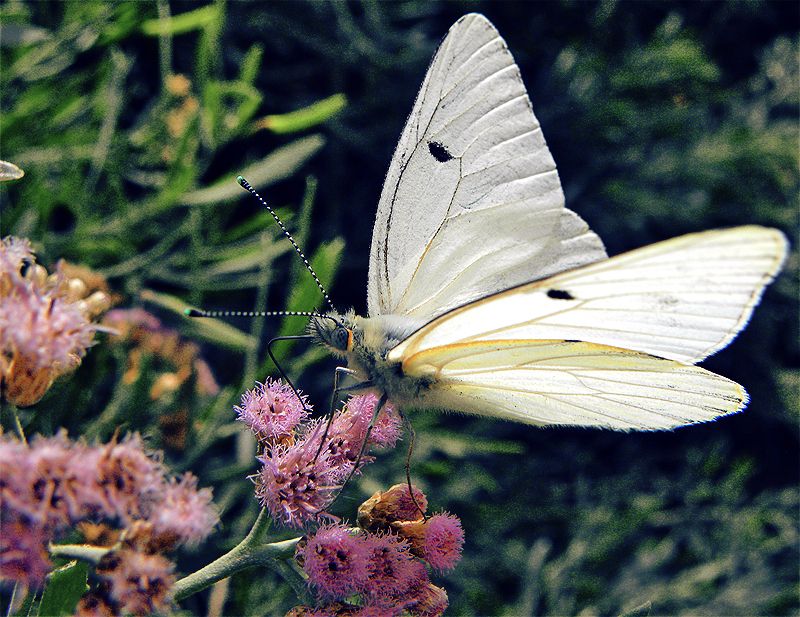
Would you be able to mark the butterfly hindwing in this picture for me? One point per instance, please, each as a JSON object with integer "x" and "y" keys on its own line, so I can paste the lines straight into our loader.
{"x": 559, "y": 382}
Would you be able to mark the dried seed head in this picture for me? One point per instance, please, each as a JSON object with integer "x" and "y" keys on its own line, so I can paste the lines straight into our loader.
{"x": 380, "y": 511}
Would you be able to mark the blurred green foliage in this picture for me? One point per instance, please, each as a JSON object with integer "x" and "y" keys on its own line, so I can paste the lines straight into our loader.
{"x": 132, "y": 119}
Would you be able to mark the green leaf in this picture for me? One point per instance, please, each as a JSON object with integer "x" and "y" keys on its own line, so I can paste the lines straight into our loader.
{"x": 306, "y": 117}
{"x": 185, "y": 22}
{"x": 643, "y": 610}
{"x": 65, "y": 586}
{"x": 281, "y": 164}
{"x": 251, "y": 64}
{"x": 305, "y": 294}
{"x": 211, "y": 329}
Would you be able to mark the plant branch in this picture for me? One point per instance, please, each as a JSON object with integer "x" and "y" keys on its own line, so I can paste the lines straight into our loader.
{"x": 248, "y": 553}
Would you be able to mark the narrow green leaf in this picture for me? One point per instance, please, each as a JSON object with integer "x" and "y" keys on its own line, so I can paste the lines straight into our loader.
{"x": 281, "y": 164}
{"x": 65, "y": 586}
{"x": 251, "y": 63}
{"x": 208, "y": 328}
{"x": 302, "y": 119}
{"x": 305, "y": 294}
{"x": 185, "y": 22}
{"x": 643, "y": 610}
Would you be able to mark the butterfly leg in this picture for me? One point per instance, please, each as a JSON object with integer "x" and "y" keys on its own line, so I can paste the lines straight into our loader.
{"x": 278, "y": 366}
{"x": 378, "y": 407}
{"x": 337, "y": 390}
{"x": 413, "y": 436}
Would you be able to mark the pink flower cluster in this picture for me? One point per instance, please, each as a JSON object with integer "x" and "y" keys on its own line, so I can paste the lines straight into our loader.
{"x": 380, "y": 569}
{"x": 305, "y": 462}
{"x": 54, "y": 484}
{"x": 43, "y": 334}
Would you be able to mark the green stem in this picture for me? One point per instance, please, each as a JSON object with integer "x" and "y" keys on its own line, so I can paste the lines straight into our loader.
{"x": 85, "y": 552}
{"x": 18, "y": 424}
{"x": 247, "y": 554}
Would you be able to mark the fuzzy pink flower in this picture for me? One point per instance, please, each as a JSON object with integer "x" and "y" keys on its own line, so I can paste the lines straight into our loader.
{"x": 336, "y": 561}
{"x": 377, "y": 610}
{"x": 430, "y": 601}
{"x": 344, "y": 441}
{"x": 23, "y": 551}
{"x": 272, "y": 410}
{"x": 17, "y": 478}
{"x": 42, "y": 334}
{"x": 295, "y": 484}
{"x": 386, "y": 430}
{"x": 444, "y": 539}
{"x": 41, "y": 338}
{"x": 132, "y": 479}
{"x": 393, "y": 571}
{"x": 183, "y": 512}
{"x": 139, "y": 582}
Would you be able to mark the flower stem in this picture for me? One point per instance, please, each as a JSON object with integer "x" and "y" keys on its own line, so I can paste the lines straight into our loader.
{"x": 248, "y": 553}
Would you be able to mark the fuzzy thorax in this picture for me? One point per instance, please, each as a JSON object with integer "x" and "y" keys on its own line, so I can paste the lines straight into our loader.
{"x": 365, "y": 342}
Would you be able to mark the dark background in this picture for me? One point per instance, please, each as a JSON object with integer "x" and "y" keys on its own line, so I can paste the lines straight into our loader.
{"x": 663, "y": 118}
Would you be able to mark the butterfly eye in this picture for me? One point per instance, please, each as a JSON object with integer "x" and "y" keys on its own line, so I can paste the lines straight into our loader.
{"x": 341, "y": 338}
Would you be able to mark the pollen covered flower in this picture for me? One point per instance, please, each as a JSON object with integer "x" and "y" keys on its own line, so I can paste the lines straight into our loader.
{"x": 44, "y": 333}
{"x": 272, "y": 410}
{"x": 305, "y": 462}
{"x": 336, "y": 561}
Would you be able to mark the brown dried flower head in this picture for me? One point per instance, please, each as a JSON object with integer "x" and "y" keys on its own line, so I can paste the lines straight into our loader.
{"x": 379, "y": 512}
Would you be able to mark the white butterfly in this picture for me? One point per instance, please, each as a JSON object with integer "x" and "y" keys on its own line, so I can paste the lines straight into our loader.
{"x": 487, "y": 296}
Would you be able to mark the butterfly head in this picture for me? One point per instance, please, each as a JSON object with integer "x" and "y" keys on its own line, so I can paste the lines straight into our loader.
{"x": 334, "y": 331}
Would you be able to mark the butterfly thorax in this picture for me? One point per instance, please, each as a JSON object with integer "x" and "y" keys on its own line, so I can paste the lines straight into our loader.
{"x": 364, "y": 343}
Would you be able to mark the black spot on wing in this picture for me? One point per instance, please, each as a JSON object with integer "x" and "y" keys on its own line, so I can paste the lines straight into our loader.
{"x": 439, "y": 152}
{"x": 559, "y": 294}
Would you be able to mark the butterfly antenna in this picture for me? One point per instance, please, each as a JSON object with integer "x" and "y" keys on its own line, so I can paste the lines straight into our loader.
{"x": 203, "y": 313}
{"x": 246, "y": 185}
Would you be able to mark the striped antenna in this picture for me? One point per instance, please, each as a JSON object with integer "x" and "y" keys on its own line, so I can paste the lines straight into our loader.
{"x": 202, "y": 313}
{"x": 246, "y": 185}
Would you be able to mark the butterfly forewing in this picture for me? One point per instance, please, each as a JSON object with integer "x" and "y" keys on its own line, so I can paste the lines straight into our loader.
{"x": 472, "y": 203}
